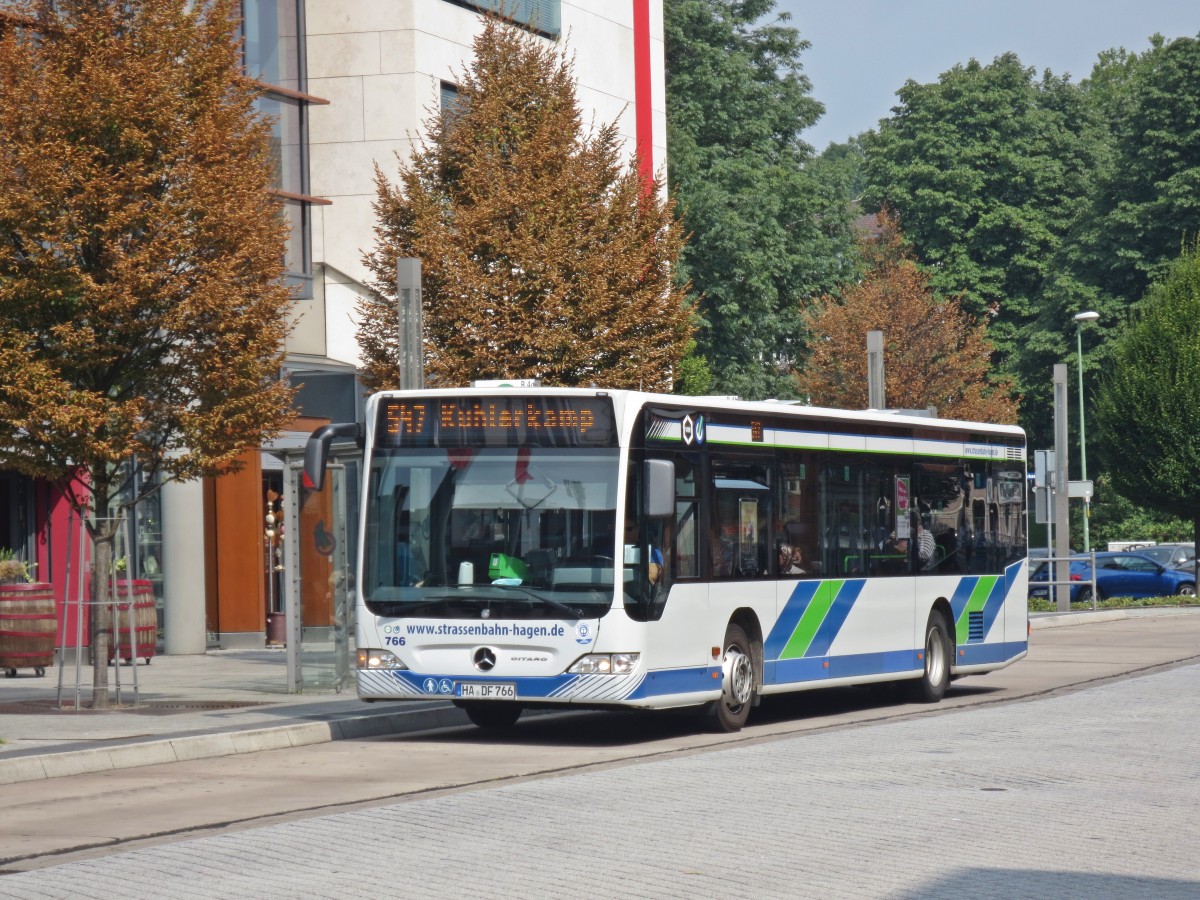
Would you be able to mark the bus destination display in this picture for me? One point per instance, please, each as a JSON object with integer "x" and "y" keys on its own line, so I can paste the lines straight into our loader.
{"x": 496, "y": 422}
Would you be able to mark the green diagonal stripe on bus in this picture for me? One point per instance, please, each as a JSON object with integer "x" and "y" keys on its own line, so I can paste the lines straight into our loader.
{"x": 979, "y": 596}
{"x": 806, "y": 628}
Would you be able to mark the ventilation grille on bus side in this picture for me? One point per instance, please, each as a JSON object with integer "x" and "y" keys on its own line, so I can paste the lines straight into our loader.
{"x": 975, "y": 626}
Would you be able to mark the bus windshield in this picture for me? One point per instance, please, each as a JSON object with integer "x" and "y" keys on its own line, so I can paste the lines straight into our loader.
{"x": 518, "y": 532}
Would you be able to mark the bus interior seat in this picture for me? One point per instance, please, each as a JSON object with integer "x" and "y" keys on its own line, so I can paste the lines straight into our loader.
{"x": 541, "y": 565}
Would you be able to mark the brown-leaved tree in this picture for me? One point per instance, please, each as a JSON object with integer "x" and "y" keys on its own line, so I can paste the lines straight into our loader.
{"x": 542, "y": 256}
{"x": 142, "y": 304}
{"x": 935, "y": 354}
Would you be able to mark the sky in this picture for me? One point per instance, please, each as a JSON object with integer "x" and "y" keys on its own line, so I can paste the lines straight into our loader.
{"x": 864, "y": 50}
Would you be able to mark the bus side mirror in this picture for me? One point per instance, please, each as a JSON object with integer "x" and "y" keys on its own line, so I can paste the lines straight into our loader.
{"x": 660, "y": 487}
{"x": 316, "y": 451}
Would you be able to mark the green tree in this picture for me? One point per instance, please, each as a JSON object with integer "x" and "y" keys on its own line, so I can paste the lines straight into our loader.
{"x": 764, "y": 232}
{"x": 1148, "y": 403}
{"x": 142, "y": 304}
{"x": 841, "y": 166}
{"x": 987, "y": 169}
{"x": 1149, "y": 198}
{"x": 1114, "y": 518}
{"x": 1144, "y": 201}
{"x": 542, "y": 256}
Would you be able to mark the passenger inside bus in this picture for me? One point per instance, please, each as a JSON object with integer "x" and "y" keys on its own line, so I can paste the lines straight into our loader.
{"x": 926, "y": 546}
{"x": 791, "y": 560}
{"x": 656, "y": 557}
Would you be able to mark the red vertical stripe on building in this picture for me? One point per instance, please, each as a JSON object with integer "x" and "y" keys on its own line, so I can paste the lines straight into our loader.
{"x": 644, "y": 117}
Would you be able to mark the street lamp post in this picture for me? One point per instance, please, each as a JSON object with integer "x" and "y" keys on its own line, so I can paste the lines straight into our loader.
{"x": 1080, "y": 318}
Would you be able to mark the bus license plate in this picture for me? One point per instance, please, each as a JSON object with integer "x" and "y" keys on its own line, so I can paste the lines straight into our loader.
{"x": 475, "y": 690}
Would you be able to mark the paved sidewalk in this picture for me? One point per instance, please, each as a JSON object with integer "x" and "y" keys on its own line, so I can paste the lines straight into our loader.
{"x": 190, "y": 707}
{"x": 218, "y": 704}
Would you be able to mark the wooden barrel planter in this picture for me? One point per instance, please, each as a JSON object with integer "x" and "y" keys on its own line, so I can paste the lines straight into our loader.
{"x": 28, "y": 621}
{"x": 144, "y": 643}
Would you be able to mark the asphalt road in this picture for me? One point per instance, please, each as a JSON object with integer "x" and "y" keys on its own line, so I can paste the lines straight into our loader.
{"x": 1083, "y": 714}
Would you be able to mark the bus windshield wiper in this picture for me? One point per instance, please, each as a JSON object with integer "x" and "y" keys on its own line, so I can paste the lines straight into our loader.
{"x": 573, "y": 611}
{"x": 401, "y": 608}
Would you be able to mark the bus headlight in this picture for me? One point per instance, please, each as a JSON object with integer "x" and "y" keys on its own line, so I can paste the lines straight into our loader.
{"x": 605, "y": 664}
{"x": 379, "y": 659}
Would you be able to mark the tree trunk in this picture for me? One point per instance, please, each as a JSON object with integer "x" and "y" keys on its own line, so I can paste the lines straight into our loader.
{"x": 102, "y": 561}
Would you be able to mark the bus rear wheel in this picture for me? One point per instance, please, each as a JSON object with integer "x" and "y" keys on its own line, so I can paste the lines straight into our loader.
{"x": 931, "y": 686}
{"x": 731, "y": 711}
{"x": 491, "y": 714}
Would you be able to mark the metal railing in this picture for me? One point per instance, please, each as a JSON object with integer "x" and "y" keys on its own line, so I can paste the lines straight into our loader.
{"x": 1051, "y": 560}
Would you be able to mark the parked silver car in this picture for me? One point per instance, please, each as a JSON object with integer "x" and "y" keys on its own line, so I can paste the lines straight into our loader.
{"x": 1173, "y": 555}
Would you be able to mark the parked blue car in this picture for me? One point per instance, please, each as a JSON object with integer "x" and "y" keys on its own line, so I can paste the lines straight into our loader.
{"x": 1118, "y": 574}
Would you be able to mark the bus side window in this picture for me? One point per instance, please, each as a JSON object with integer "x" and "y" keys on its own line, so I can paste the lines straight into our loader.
{"x": 742, "y": 491}
{"x": 686, "y": 562}
{"x": 796, "y": 514}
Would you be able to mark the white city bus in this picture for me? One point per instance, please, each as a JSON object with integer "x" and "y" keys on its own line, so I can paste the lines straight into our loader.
{"x": 589, "y": 548}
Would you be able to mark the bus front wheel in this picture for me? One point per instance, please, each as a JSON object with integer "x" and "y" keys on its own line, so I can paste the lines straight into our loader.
{"x": 737, "y": 684}
{"x": 490, "y": 714}
{"x": 931, "y": 686}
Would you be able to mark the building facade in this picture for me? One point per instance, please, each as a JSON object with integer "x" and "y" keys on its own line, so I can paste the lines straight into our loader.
{"x": 351, "y": 86}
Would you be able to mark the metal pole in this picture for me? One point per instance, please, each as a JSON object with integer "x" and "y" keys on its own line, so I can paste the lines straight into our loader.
{"x": 1080, "y": 318}
{"x": 875, "y": 385}
{"x": 131, "y": 615}
{"x": 1062, "y": 531}
{"x": 80, "y": 607}
{"x": 1087, "y": 544}
{"x": 410, "y": 323}
{"x": 62, "y": 641}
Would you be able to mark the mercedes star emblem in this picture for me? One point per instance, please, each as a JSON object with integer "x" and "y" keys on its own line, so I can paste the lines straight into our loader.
{"x": 485, "y": 659}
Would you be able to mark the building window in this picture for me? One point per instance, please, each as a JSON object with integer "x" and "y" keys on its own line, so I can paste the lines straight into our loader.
{"x": 273, "y": 55}
{"x": 287, "y": 142}
{"x": 449, "y": 97}
{"x": 299, "y": 255}
{"x": 271, "y": 31}
{"x": 542, "y": 16}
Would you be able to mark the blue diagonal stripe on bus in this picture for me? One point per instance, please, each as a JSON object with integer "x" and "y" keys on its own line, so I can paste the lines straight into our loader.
{"x": 962, "y": 596}
{"x": 836, "y": 617}
{"x": 995, "y": 602}
{"x": 789, "y": 618}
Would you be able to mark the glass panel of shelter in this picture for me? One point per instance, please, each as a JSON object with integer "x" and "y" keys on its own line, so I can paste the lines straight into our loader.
{"x": 319, "y": 590}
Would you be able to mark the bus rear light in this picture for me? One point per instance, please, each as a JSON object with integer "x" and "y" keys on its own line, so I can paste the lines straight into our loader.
{"x": 605, "y": 664}
{"x": 379, "y": 659}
